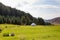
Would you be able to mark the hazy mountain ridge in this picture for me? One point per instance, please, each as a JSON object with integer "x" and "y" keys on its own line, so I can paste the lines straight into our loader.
{"x": 54, "y": 20}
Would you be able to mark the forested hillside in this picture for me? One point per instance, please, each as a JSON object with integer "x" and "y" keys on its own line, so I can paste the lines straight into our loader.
{"x": 13, "y": 16}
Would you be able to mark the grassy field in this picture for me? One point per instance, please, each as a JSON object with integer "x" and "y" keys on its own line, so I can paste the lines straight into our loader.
{"x": 30, "y": 32}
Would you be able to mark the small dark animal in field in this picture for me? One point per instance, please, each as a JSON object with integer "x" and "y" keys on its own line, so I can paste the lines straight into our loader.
{"x": 12, "y": 34}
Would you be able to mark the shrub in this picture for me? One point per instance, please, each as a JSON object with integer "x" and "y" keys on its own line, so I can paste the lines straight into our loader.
{"x": 0, "y": 30}
{"x": 5, "y": 26}
{"x": 5, "y": 34}
{"x": 47, "y": 23}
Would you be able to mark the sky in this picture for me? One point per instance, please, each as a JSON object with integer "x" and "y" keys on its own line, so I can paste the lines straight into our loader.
{"x": 47, "y": 9}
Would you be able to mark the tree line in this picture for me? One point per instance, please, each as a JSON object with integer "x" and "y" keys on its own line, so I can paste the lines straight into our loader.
{"x": 13, "y": 16}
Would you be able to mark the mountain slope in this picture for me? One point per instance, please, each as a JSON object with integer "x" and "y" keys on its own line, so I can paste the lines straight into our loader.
{"x": 55, "y": 20}
{"x": 13, "y": 16}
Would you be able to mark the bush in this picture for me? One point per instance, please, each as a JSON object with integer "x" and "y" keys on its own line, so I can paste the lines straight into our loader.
{"x": 0, "y": 30}
{"x": 5, "y": 26}
{"x": 5, "y": 34}
{"x": 47, "y": 23}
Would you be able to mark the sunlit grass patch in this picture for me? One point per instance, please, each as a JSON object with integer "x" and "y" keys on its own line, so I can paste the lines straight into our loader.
{"x": 27, "y": 32}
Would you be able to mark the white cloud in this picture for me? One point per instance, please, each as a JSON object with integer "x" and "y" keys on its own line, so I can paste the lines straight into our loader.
{"x": 29, "y": 8}
{"x": 49, "y": 6}
{"x": 35, "y": 10}
{"x": 45, "y": 6}
{"x": 44, "y": 11}
{"x": 11, "y": 3}
{"x": 14, "y": 3}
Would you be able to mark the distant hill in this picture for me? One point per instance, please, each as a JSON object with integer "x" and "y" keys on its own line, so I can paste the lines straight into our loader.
{"x": 13, "y": 16}
{"x": 54, "y": 20}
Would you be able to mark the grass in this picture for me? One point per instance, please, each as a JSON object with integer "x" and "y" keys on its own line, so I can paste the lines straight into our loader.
{"x": 30, "y": 32}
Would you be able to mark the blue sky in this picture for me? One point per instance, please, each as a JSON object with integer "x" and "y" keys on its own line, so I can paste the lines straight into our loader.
{"x": 50, "y": 2}
{"x": 46, "y": 9}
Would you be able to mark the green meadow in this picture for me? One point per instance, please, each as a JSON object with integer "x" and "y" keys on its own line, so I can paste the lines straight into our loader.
{"x": 23, "y": 32}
